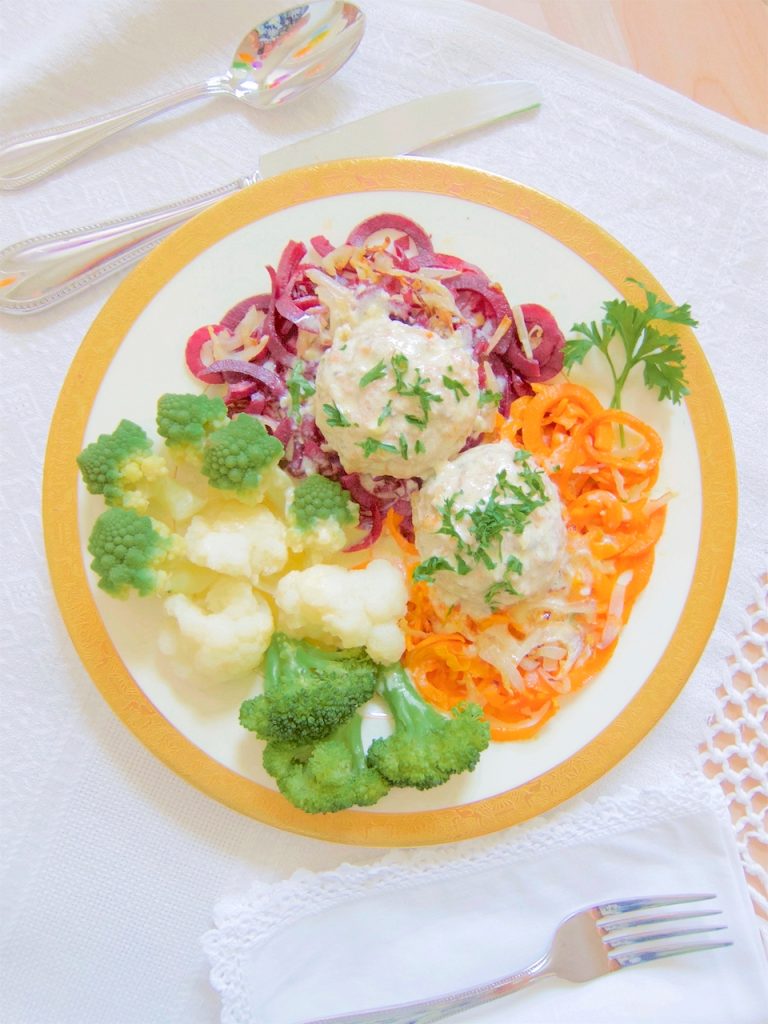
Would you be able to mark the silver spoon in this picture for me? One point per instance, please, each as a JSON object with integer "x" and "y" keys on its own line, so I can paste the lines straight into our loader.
{"x": 276, "y": 62}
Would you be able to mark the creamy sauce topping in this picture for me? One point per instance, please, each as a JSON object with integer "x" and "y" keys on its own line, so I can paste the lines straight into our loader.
{"x": 392, "y": 398}
{"x": 489, "y": 529}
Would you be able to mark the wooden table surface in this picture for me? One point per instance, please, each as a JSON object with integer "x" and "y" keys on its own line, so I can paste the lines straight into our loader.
{"x": 715, "y": 51}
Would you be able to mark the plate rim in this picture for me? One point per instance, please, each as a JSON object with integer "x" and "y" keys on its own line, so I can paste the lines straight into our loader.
{"x": 67, "y": 569}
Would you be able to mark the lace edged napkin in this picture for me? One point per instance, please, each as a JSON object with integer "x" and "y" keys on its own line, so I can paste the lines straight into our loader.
{"x": 425, "y": 922}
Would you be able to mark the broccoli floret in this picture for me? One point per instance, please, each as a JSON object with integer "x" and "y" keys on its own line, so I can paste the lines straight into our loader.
{"x": 124, "y": 469}
{"x": 317, "y": 498}
{"x": 328, "y": 776}
{"x": 426, "y": 748}
{"x": 308, "y": 691}
{"x": 239, "y": 458}
{"x": 185, "y": 421}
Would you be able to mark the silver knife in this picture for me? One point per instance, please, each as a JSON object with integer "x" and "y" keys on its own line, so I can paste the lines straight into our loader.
{"x": 45, "y": 270}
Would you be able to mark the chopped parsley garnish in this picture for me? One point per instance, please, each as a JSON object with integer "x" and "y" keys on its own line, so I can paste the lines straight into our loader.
{"x": 298, "y": 386}
{"x": 507, "y": 509}
{"x": 426, "y": 570}
{"x": 335, "y": 416}
{"x": 489, "y": 397}
{"x": 416, "y": 389}
{"x": 419, "y": 446}
{"x": 375, "y": 373}
{"x": 371, "y": 445}
{"x": 661, "y": 355}
{"x": 402, "y": 444}
{"x": 385, "y": 413}
{"x": 458, "y": 389}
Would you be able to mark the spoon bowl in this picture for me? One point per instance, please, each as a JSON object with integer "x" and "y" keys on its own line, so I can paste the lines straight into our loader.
{"x": 276, "y": 62}
{"x": 294, "y": 51}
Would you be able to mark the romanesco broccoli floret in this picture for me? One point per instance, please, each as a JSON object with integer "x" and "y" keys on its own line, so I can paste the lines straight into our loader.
{"x": 240, "y": 457}
{"x": 426, "y": 748}
{"x": 123, "y": 468}
{"x": 317, "y": 498}
{"x": 328, "y": 776}
{"x": 186, "y": 421}
{"x": 135, "y": 552}
{"x": 308, "y": 691}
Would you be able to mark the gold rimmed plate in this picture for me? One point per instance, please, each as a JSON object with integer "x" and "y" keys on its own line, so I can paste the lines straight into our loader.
{"x": 540, "y": 251}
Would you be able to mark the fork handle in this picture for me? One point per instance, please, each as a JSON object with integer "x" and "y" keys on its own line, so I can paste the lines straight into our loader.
{"x": 428, "y": 1011}
{"x": 30, "y": 157}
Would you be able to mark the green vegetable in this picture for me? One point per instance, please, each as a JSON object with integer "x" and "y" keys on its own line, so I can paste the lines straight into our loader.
{"x": 328, "y": 776}
{"x": 458, "y": 389}
{"x": 426, "y": 748}
{"x": 237, "y": 457}
{"x": 298, "y": 386}
{"x": 186, "y": 421}
{"x": 372, "y": 444}
{"x": 317, "y": 498}
{"x": 308, "y": 691}
{"x": 335, "y": 416}
{"x": 128, "y": 550}
{"x": 416, "y": 389}
{"x": 123, "y": 468}
{"x": 640, "y": 342}
{"x": 375, "y": 373}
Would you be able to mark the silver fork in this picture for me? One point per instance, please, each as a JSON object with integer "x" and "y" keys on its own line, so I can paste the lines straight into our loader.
{"x": 586, "y": 945}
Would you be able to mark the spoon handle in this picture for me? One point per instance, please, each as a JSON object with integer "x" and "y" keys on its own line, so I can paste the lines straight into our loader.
{"x": 45, "y": 270}
{"x": 31, "y": 157}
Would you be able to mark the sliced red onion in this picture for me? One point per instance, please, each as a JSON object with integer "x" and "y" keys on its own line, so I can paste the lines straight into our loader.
{"x": 245, "y": 369}
{"x": 233, "y": 316}
{"x": 193, "y": 355}
{"x": 383, "y": 221}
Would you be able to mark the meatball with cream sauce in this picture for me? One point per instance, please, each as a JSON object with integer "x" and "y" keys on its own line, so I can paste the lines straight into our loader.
{"x": 489, "y": 529}
{"x": 396, "y": 399}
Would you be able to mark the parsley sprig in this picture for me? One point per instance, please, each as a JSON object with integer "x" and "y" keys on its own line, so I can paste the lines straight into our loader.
{"x": 335, "y": 416}
{"x": 298, "y": 386}
{"x": 641, "y": 342}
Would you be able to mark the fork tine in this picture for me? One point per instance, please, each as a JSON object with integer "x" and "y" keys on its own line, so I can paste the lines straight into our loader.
{"x": 621, "y": 922}
{"x": 613, "y": 941}
{"x": 649, "y": 903}
{"x": 628, "y": 958}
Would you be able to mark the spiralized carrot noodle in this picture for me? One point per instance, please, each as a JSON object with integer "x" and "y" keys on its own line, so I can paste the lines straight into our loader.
{"x": 519, "y": 663}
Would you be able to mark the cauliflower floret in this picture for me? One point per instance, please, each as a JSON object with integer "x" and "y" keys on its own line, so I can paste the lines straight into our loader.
{"x": 237, "y": 540}
{"x": 325, "y": 538}
{"x": 346, "y": 607}
{"x": 221, "y": 634}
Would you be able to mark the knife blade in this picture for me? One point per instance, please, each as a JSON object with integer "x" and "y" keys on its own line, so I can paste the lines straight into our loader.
{"x": 408, "y": 126}
{"x": 46, "y": 270}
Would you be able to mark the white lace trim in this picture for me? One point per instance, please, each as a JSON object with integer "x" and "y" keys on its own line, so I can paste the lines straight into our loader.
{"x": 243, "y": 922}
{"x": 734, "y": 754}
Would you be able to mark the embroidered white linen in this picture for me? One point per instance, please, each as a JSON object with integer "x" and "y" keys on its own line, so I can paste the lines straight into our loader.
{"x": 423, "y": 923}
{"x": 111, "y": 865}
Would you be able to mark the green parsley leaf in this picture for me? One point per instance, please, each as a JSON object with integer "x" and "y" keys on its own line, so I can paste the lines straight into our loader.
{"x": 385, "y": 413}
{"x": 489, "y": 397}
{"x": 375, "y": 373}
{"x": 402, "y": 444}
{"x": 335, "y": 416}
{"x": 458, "y": 389}
{"x": 371, "y": 445}
{"x": 426, "y": 570}
{"x": 298, "y": 386}
{"x": 660, "y": 354}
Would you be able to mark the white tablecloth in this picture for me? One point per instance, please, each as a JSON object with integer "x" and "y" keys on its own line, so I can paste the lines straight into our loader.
{"x": 112, "y": 865}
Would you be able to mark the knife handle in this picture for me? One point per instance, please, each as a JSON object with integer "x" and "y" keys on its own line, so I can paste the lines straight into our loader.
{"x": 48, "y": 269}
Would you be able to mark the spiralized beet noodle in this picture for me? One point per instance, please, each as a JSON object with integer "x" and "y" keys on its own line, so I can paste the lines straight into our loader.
{"x": 258, "y": 349}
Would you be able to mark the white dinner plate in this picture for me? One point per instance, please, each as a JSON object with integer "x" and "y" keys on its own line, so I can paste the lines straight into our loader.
{"x": 541, "y": 252}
